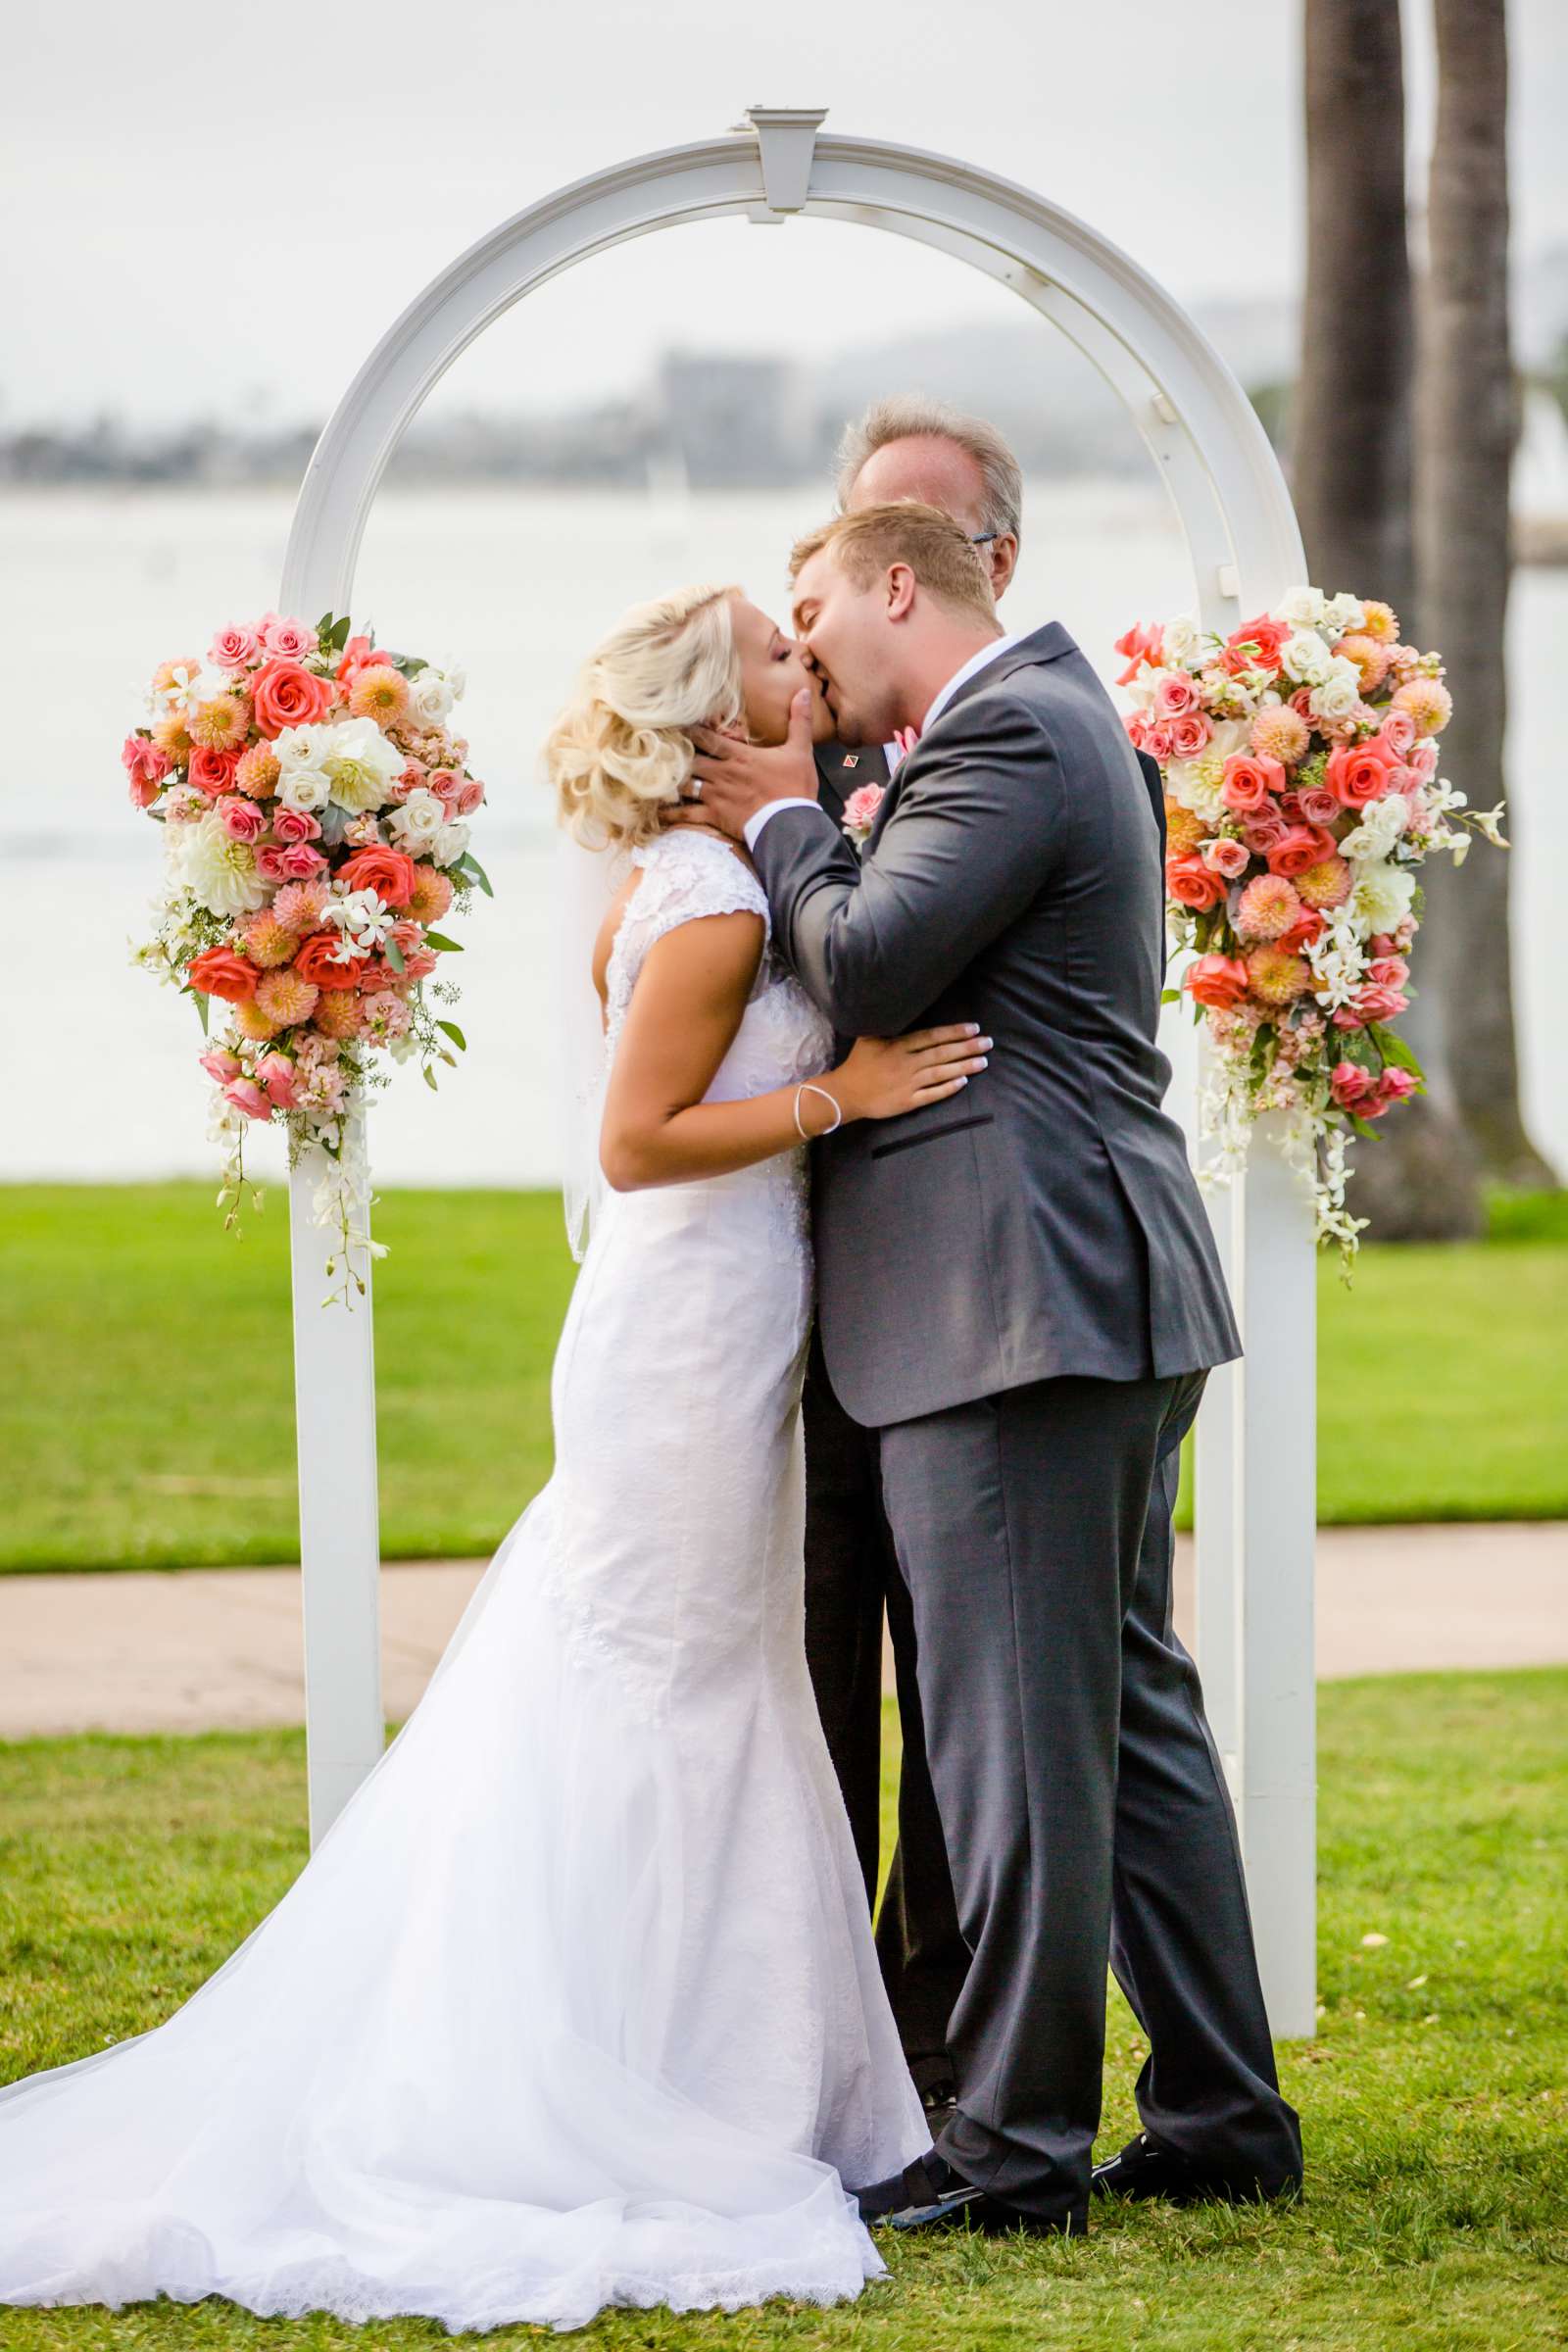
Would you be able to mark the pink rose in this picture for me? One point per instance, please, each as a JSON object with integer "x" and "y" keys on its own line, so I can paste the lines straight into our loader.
{"x": 1378, "y": 1003}
{"x": 1388, "y": 971}
{"x": 859, "y": 809}
{"x": 248, "y": 1097}
{"x": 1350, "y": 1084}
{"x": 218, "y": 1063}
{"x": 270, "y": 862}
{"x": 1397, "y": 731}
{"x": 298, "y": 861}
{"x": 1301, "y": 845}
{"x": 1226, "y": 856}
{"x": 1264, "y": 831}
{"x": 1187, "y": 734}
{"x": 1218, "y": 981}
{"x": 1157, "y": 743}
{"x": 467, "y": 796}
{"x": 277, "y": 1074}
{"x": 291, "y": 639}
{"x": 243, "y": 819}
{"x": 1318, "y": 805}
{"x": 1344, "y": 1018}
{"x": 1395, "y": 1085}
{"x": 1250, "y": 781}
{"x": 232, "y": 648}
{"x": 144, "y": 763}
{"x": 1137, "y": 732}
{"x": 1424, "y": 760}
{"x": 1143, "y": 643}
{"x": 296, "y": 824}
{"x": 1176, "y": 695}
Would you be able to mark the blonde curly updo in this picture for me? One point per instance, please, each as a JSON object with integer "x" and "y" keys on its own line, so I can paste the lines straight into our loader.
{"x": 621, "y": 750}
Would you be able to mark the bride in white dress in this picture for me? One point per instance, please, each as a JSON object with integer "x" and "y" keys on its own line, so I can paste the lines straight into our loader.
{"x": 576, "y": 2002}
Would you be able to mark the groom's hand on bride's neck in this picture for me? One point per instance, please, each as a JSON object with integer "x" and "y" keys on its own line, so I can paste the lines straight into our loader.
{"x": 731, "y": 779}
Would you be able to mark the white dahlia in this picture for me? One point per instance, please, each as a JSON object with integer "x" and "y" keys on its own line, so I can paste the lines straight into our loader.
{"x": 360, "y": 764}
{"x": 1381, "y": 898}
{"x": 220, "y": 870}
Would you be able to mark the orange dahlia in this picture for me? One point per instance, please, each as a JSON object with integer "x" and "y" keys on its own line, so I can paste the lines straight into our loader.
{"x": 1277, "y": 977}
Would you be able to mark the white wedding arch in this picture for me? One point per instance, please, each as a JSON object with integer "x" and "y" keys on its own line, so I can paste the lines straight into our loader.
{"x": 1255, "y": 1438}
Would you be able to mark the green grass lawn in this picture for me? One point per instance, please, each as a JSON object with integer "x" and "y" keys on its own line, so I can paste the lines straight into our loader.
{"x": 148, "y": 1404}
{"x": 1434, "y": 2098}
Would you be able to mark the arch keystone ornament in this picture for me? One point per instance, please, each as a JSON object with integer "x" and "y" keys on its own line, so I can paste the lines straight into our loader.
{"x": 1256, "y": 1449}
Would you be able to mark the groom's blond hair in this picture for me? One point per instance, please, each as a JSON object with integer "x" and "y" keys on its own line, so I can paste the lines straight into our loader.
{"x": 937, "y": 549}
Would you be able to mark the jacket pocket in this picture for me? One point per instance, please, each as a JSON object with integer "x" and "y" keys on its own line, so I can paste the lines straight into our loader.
{"x": 912, "y": 1143}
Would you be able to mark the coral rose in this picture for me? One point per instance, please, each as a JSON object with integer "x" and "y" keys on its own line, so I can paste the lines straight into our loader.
{"x": 1250, "y": 781}
{"x": 1301, "y": 847}
{"x": 1218, "y": 981}
{"x": 390, "y": 874}
{"x": 314, "y": 963}
{"x": 146, "y": 766}
{"x": 220, "y": 972}
{"x": 1359, "y": 773}
{"x": 1190, "y": 883}
{"x": 1255, "y": 644}
{"x": 212, "y": 772}
{"x": 283, "y": 695}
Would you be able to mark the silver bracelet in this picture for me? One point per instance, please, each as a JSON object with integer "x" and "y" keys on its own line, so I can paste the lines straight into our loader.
{"x": 806, "y": 1088}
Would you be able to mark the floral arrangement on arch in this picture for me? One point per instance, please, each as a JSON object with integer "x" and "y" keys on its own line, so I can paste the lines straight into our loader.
{"x": 1299, "y": 760}
{"x": 315, "y": 805}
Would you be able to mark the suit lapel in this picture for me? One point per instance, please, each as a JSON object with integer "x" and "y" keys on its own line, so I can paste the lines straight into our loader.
{"x": 1041, "y": 644}
{"x": 841, "y": 771}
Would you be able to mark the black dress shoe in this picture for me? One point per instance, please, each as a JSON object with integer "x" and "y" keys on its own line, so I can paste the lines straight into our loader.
{"x": 1146, "y": 2168}
{"x": 940, "y": 2105}
{"x": 930, "y": 2195}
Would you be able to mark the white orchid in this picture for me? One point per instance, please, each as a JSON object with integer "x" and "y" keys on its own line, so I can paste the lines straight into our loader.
{"x": 1383, "y": 822}
{"x": 364, "y": 920}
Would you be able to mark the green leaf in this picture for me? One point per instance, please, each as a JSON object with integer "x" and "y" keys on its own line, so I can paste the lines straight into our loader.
{"x": 1364, "y": 1127}
{"x": 439, "y": 939}
{"x": 323, "y": 628}
{"x": 1394, "y": 1049}
{"x": 472, "y": 862}
{"x": 1355, "y": 1044}
{"x": 429, "y": 1079}
{"x": 455, "y": 1035}
{"x": 339, "y": 635}
{"x": 201, "y": 1007}
{"x": 1171, "y": 996}
{"x": 394, "y": 954}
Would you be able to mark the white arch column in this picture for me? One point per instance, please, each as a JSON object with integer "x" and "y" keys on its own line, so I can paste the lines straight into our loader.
{"x": 1257, "y": 1502}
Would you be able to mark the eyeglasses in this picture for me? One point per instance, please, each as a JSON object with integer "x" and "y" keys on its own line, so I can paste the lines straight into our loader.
{"x": 979, "y": 538}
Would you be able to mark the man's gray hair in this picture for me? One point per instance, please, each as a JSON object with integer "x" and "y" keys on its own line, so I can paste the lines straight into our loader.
{"x": 912, "y": 415}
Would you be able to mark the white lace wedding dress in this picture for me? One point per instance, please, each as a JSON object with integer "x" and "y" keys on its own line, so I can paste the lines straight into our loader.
{"x": 576, "y": 2002}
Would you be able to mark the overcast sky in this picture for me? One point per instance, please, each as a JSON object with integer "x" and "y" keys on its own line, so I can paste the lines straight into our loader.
{"x": 220, "y": 210}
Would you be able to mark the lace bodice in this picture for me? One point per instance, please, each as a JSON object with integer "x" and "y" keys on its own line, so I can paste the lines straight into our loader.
{"x": 782, "y": 1037}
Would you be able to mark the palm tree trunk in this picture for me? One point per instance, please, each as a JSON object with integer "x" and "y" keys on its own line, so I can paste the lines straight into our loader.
{"x": 1352, "y": 481}
{"x": 1466, "y": 425}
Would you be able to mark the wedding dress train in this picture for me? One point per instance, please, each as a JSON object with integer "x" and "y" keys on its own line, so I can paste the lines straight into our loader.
{"x": 576, "y": 2002}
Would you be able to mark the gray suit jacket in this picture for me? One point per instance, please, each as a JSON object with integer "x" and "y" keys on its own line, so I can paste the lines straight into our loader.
{"x": 1045, "y": 1221}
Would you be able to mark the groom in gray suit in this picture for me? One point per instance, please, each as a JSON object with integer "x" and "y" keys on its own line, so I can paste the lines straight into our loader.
{"x": 1021, "y": 1296}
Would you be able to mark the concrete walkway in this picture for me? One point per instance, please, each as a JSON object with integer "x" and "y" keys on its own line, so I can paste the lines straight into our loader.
{"x": 196, "y": 1649}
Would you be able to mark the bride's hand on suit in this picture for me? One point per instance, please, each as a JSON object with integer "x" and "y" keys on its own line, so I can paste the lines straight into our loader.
{"x": 884, "y": 1077}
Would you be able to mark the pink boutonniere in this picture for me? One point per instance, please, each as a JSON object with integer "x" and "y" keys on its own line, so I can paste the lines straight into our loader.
{"x": 860, "y": 811}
